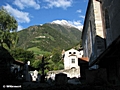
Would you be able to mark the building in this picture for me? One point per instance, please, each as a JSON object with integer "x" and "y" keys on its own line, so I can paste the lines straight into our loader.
{"x": 93, "y": 39}
{"x": 71, "y": 64}
{"x": 71, "y": 58}
{"x": 18, "y": 69}
{"x": 5, "y": 64}
{"x": 101, "y": 35}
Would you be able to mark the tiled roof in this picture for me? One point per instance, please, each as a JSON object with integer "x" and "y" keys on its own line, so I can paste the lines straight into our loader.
{"x": 84, "y": 59}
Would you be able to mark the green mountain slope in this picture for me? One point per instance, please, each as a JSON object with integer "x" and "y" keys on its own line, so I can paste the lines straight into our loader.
{"x": 70, "y": 32}
{"x": 48, "y": 36}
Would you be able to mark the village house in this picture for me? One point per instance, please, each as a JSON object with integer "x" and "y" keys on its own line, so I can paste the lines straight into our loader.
{"x": 101, "y": 40}
{"x": 71, "y": 58}
{"x": 71, "y": 64}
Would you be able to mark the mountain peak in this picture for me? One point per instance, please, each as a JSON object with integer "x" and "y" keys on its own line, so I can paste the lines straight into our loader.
{"x": 66, "y": 23}
{"x": 62, "y": 22}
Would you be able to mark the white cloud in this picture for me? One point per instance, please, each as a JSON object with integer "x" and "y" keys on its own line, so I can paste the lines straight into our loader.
{"x": 27, "y": 3}
{"x": 82, "y": 16}
{"x": 19, "y": 28}
{"x": 21, "y": 17}
{"x": 79, "y": 11}
{"x": 58, "y": 3}
{"x": 77, "y": 24}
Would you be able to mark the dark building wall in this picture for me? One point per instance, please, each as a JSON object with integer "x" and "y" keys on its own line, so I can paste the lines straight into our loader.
{"x": 92, "y": 36}
{"x": 110, "y": 10}
{"x": 89, "y": 32}
{"x": 5, "y": 66}
{"x": 113, "y": 8}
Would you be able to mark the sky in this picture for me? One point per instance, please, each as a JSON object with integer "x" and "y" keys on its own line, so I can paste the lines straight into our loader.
{"x": 38, "y": 12}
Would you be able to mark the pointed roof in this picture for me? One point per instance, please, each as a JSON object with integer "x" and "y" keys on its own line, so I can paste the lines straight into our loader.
{"x": 72, "y": 50}
{"x": 5, "y": 55}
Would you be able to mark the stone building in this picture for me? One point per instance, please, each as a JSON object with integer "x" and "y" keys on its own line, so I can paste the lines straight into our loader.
{"x": 101, "y": 39}
{"x": 92, "y": 35}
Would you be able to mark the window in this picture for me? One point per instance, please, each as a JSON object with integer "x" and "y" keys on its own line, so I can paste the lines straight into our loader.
{"x": 72, "y": 60}
{"x": 74, "y": 52}
{"x": 107, "y": 23}
{"x": 108, "y": 31}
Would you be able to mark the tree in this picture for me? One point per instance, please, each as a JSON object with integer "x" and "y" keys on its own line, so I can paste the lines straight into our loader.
{"x": 22, "y": 55}
{"x": 56, "y": 55}
{"x": 8, "y": 27}
{"x": 80, "y": 42}
{"x": 55, "y": 62}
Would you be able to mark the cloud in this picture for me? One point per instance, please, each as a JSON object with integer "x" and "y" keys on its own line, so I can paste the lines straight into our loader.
{"x": 79, "y": 11}
{"x": 27, "y": 3}
{"x": 58, "y": 3}
{"x": 21, "y": 17}
{"x": 77, "y": 24}
{"x": 19, "y": 28}
{"x": 82, "y": 16}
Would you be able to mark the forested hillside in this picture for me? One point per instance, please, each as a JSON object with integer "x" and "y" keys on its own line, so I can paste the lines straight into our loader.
{"x": 47, "y": 37}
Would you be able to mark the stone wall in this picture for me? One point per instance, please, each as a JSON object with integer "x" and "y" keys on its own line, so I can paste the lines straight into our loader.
{"x": 93, "y": 35}
{"x": 113, "y": 8}
{"x": 98, "y": 18}
{"x": 87, "y": 37}
{"x": 70, "y": 73}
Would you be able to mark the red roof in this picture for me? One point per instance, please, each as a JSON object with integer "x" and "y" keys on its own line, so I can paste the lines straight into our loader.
{"x": 84, "y": 59}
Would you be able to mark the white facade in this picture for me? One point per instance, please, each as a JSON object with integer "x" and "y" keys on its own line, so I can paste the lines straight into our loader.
{"x": 71, "y": 58}
{"x": 71, "y": 67}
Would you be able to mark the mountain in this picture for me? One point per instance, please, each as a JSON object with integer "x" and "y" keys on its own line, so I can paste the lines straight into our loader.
{"x": 62, "y": 22}
{"x": 48, "y": 36}
{"x": 68, "y": 24}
